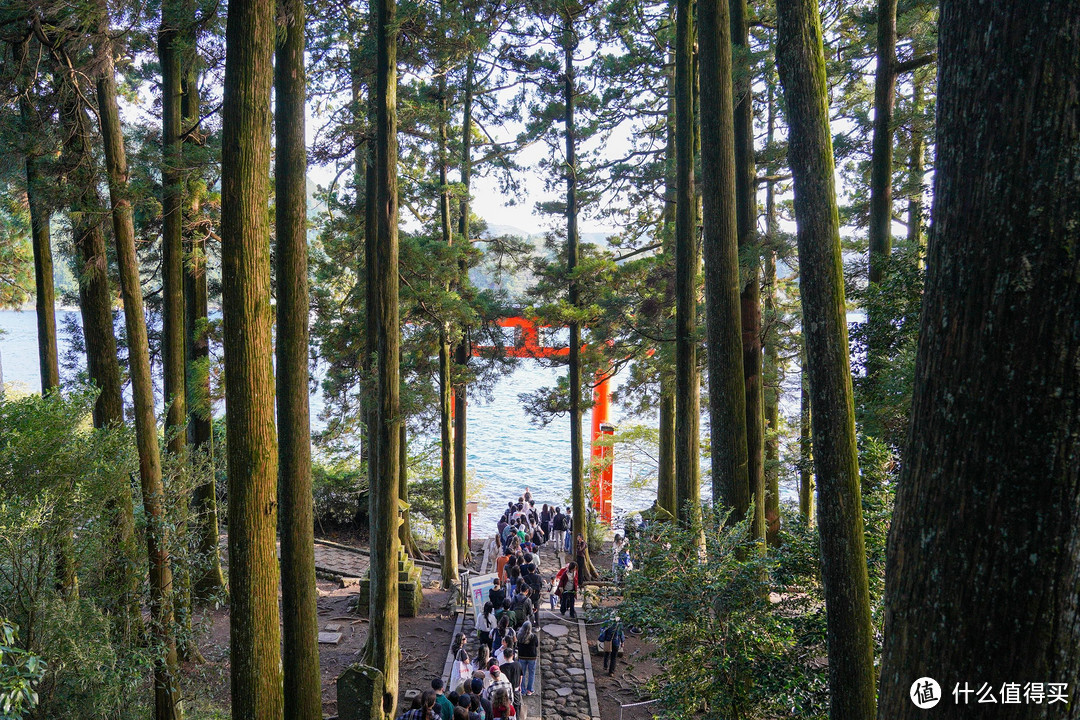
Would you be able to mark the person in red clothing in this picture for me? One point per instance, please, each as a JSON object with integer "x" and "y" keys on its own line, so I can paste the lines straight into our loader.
{"x": 566, "y": 584}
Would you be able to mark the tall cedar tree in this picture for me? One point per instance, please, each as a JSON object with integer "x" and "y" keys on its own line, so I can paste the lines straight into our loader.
{"x": 41, "y": 237}
{"x": 666, "y": 492}
{"x": 995, "y": 432}
{"x": 727, "y": 396}
{"x": 172, "y": 224}
{"x": 801, "y": 63}
{"x": 95, "y": 305}
{"x": 173, "y": 358}
{"x": 384, "y": 341}
{"x": 577, "y": 471}
{"x": 446, "y": 394}
{"x": 463, "y": 350}
{"x": 209, "y": 579}
{"x": 251, "y": 441}
{"x": 880, "y": 231}
{"x": 750, "y": 290}
{"x": 771, "y": 361}
{"x": 300, "y": 624}
{"x": 167, "y": 699}
{"x": 687, "y": 260}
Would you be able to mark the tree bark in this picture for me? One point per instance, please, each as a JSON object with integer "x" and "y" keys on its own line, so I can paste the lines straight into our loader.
{"x": 687, "y": 260}
{"x": 405, "y": 533}
{"x": 383, "y": 345}
{"x": 44, "y": 292}
{"x": 577, "y": 471}
{"x": 167, "y": 698}
{"x": 300, "y": 625}
{"x": 750, "y": 287}
{"x": 665, "y": 480}
{"x": 172, "y": 296}
{"x": 727, "y": 392}
{"x": 807, "y": 498}
{"x": 995, "y": 427}
{"x": 882, "y": 151}
{"x": 801, "y": 62}
{"x": 251, "y": 439}
{"x": 446, "y": 393}
{"x": 463, "y": 350}
{"x": 915, "y": 236}
{"x": 771, "y": 362}
{"x": 209, "y": 580}
{"x": 172, "y": 242}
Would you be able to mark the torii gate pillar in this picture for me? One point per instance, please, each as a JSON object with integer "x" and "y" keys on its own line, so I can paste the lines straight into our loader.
{"x": 602, "y": 453}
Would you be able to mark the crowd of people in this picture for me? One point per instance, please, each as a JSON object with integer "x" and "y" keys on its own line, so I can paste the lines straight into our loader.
{"x": 491, "y": 681}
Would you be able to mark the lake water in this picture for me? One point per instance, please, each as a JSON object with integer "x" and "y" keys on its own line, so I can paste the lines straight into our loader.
{"x": 505, "y": 451}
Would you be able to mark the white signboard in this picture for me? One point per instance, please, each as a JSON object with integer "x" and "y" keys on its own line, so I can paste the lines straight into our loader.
{"x": 479, "y": 587}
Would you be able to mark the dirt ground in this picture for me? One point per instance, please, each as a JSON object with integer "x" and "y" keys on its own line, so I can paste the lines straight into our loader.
{"x": 425, "y": 640}
{"x": 424, "y": 643}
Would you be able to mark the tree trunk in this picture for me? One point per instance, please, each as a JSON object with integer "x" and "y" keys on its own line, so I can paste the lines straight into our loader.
{"x": 687, "y": 260}
{"x": 995, "y": 427}
{"x": 771, "y": 341}
{"x": 405, "y": 533}
{"x": 172, "y": 247}
{"x": 750, "y": 290}
{"x": 801, "y": 62}
{"x": 727, "y": 396}
{"x": 577, "y": 471}
{"x": 251, "y": 440}
{"x": 807, "y": 501}
{"x": 463, "y": 350}
{"x": 96, "y": 306}
{"x": 44, "y": 293}
{"x": 172, "y": 299}
{"x": 383, "y": 344}
{"x": 209, "y": 580}
{"x": 446, "y": 393}
{"x": 915, "y": 236}
{"x": 880, "y": 231}
{"x": 300, "y": 625}
{"x": 167, "y": 699}
{"x": 665, "y": 480}
{"x": 665, "y": 483}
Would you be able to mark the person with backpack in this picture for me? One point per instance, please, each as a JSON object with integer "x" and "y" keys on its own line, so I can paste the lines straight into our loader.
{"x": 558, "y": 527}
{"x": 613, "y": 636}
{"x": 566, "y": 582}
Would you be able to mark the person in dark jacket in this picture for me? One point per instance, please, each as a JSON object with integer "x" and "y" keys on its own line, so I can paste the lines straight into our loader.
{"x": 613, "y": 635}
{"x": 511, "y": 670}
{"x": 528, "y": 651}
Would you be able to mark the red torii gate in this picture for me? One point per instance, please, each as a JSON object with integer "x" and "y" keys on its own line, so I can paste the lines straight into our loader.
{"x": 527, "y": 345}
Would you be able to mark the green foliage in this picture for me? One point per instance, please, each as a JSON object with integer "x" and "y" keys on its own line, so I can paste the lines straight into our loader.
{"x": 90, "y": 676}
{"x": 748, "y": 630}
{"x": 893, "y": 307}
{"x": 339, "y": 488}
{"x": 20, "y": 672}
{"x": 747, "y": 645}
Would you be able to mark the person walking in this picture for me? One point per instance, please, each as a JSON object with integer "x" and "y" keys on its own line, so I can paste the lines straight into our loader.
{"x": 614, "y": 637}
{"x": 486, "y": 623}
{"x": 558, "y": 527}
{"x": 581, "y": 548}
{"x": 566, "y": 582}
{"x": 528, "y": 653}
